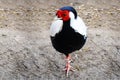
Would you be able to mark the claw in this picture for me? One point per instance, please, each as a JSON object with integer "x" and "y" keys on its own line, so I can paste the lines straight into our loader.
{"x": 68, "y": 66}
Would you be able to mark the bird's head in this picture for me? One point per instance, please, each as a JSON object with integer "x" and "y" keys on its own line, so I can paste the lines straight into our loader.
{"x": 66, "y": 13}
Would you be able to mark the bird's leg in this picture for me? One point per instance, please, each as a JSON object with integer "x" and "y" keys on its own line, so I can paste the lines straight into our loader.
{"x": 68, "y": 66}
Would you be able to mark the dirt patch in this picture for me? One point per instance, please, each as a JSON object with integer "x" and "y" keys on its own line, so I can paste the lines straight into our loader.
{"x": 26, "y": 52}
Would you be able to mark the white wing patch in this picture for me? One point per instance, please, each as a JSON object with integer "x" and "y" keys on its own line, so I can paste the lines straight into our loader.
{"x": 56, "y": 26}
{"x": 78, "y": 25}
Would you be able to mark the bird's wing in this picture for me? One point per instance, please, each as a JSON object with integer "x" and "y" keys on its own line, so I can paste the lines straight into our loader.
{"x": 56, "y": 27}
{"x": 79, "y": 26}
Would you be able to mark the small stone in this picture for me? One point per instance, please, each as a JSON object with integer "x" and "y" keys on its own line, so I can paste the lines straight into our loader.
{"x": 4, "y": 35}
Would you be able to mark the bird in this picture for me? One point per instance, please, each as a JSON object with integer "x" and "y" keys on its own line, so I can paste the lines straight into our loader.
{"x": 68, "y": 33}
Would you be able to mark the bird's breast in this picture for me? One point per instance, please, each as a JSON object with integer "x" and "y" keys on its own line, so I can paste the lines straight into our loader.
{"x": 67, "y": 40}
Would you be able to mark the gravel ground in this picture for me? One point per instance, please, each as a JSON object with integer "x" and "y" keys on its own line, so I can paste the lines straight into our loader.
{"x": 26, "y": 52}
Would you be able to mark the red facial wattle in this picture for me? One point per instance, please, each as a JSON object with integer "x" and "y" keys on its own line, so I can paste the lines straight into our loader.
{"x": 64, "y": 14}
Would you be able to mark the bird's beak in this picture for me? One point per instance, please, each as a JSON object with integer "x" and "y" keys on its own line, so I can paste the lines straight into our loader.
{"x": 56, "y": 18}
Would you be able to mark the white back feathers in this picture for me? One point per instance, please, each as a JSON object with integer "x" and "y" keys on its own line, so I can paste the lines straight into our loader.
{"x": 56, "y": 26}
{"x": 77, "y": 24}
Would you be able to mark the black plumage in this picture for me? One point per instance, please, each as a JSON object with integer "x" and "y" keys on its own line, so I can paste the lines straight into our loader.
{"x": 67, "y": 40}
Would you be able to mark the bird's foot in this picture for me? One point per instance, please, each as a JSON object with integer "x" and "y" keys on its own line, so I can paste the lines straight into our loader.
{"x": 68, "y": 67}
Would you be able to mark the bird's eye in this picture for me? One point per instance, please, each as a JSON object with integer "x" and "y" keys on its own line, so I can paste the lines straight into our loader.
{"x": 63, "y": 15}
